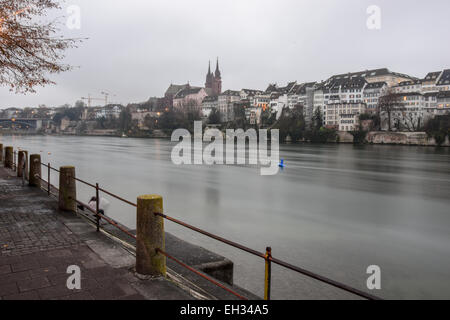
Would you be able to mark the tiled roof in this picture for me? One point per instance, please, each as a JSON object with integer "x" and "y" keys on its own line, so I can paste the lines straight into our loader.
{"x": 432, "y": 75}
{"x": 175, "y": 88}
{"x": 409, "y": 83}
{"x": 210, "y": 99}
{"x": 375, "y": 85}
{"x": 444, "y": 78}
{"x": 230, "y": 93}
{"x": 186, "y": 92}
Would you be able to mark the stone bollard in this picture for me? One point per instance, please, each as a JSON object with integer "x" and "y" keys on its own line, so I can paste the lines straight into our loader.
{"x": 35, "y": 169}
{"x": 67, "y": 189}
{"x": 9, "y": 153}
{"x": 21, "y": 161}
{"x": 150, "y": 236}
{"x": 1, "y": 152}
{"x": 27, "y": 165}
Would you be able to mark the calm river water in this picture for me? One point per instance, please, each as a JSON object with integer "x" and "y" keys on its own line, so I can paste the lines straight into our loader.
{"x": 334, "y": 209}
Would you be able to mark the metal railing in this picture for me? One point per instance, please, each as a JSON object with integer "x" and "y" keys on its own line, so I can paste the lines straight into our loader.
{"x": 267, "y": 256}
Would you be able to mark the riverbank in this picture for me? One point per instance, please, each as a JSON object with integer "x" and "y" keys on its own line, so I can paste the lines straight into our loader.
{"x": 395, "y": 138}
{"x": 372, "y": 137}
{"x": 39, "y": 243}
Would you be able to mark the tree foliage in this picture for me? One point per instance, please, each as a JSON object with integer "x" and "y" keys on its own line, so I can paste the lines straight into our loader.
{"x": 214, "y": 116}
{"x": 291, "y": 123}
{"x": 438, "y": 128}
{"x": 30, "y": 49}
{"x": 388, "y": 103}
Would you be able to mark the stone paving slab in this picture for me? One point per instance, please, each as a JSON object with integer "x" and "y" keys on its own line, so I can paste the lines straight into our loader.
{"x": 37, "y": 245}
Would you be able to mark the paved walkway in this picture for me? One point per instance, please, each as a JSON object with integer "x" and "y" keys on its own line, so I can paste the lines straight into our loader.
{"x": 38, "y": 243}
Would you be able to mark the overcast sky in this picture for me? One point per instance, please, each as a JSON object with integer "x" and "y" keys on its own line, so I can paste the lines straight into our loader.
{"x": 136, "y": 48}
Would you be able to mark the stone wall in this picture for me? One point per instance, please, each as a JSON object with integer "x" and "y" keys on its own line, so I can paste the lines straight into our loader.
{"x": 345, "y": 137}
{"x": 403, "y": 138}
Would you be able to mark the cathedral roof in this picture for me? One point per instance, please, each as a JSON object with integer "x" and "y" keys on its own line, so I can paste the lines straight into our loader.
{"x": 175, "y": 88}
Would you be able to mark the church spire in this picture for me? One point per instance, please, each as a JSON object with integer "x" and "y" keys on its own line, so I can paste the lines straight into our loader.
{"x": 217, "y": 73}
{"x": 209, "y": 67}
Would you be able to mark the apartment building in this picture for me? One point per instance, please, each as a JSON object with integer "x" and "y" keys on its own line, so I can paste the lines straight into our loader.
{"x": 226, "y": 104}
{"x": 344, "y": 116}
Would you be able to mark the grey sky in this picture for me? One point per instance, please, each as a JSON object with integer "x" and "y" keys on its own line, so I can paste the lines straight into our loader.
{"x": 136, "y": 48}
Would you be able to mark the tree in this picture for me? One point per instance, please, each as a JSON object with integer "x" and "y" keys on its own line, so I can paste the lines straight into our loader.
{"x": 125, "y": 121}
{"x": 375, "y": 118}
{"x": 80, "y": 104}
{"x": 30, "y": 49}
{"x": 388, "y": 103}
{"x": 438, "y": 128}
{"x": 317, "y": 119}
{"x": 214, "y": 116}
{"x": 291, "y": 123}
{"x": 411, "y": 122}
{"x": 268, "y": 118}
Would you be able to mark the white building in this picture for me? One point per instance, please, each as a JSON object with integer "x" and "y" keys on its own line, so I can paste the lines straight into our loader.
{"x": 344, "y": 116}
{"x": 209, "y": 104}
{"x": 109, "y": 111}
{"x": 226, "y": 104}
{"x": 371, "y": 94}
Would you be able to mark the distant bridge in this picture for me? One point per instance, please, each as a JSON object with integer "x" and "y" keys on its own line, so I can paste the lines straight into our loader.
{"x": 22, "y": 123}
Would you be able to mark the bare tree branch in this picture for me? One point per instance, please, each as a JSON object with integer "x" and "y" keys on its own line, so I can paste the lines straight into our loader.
{"x": 30, "y": 50}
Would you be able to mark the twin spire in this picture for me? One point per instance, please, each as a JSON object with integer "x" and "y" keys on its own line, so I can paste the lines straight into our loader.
{"x": 217, "y": 72}
{"x": 214, "y": 80}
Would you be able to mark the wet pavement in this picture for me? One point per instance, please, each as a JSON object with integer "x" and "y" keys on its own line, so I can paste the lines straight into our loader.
{"x": 38, "y": 243}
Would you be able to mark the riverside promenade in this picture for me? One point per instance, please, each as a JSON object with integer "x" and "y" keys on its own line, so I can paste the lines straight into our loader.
{"x": 38, "y": 243}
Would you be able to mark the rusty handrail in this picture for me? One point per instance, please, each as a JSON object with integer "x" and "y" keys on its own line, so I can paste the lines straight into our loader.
{"x": 109, "y": 220}
{"x": 93, "y": 186}
{"x": 277, "y": 261}
{"x": 208, "y": 234}
{"x": 201, "y": 274}
{"x": 226, "y": 241}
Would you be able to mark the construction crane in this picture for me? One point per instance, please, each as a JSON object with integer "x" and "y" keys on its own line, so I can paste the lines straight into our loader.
{"x": 105, "y": 99}
{"x": 107, "y": 94}
{"x": 90, "y": 99}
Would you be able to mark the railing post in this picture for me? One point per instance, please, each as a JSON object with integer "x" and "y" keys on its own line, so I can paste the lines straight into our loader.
{"x": 35, "y": 169}
{"x": 49, "y": 185}
{"x": 268, "y": 274}
{"x": 67, "y": 189}
{"x": 97, "y": 206}
{"x": 9, "y": 157}
{"x": 1, "y": 152}
{"x": 150, "y": 236}
{"x": 14, "y": 161}
{"x": 21, "y": 163}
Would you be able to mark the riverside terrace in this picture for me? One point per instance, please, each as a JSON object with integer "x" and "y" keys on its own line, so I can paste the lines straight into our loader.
{"x": 153, "y": 253}
{"x": 38, "y": 242}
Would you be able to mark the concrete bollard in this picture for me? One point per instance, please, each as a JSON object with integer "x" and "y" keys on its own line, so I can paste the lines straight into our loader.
{"x": 21, "y": 161}
{"x": 67, "y": 189}
{"x": 150, "y": 236}
{"x": 1, "y": 152}
{"x": 35, "y": 169}
{"x": 9, "y": 153}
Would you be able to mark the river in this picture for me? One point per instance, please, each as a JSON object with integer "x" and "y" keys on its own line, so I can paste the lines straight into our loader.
{"x": 334, "y": 209}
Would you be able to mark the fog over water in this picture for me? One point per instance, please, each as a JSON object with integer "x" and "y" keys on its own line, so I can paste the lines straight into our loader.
{"x": 334, "y": 209}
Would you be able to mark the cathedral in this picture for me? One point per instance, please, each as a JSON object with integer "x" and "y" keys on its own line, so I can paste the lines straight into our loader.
{"x": 213, "y": 84}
